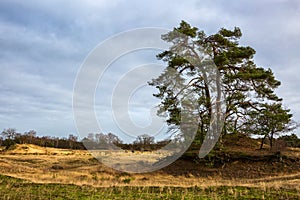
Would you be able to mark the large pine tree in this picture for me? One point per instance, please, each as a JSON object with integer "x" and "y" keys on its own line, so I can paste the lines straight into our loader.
{"x": 248, "y": 89}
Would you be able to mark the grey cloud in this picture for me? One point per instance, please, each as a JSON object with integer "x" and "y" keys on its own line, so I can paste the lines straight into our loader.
{"x": 43, "y": 44}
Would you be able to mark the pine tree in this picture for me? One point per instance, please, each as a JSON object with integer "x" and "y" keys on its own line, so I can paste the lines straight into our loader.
{"x": 247, "y": 88}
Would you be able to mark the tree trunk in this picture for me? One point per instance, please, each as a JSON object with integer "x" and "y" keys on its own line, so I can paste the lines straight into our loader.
{"x": 271, "y": 138}
{"x": 271, "y": 141}
{"x": 262, "y": 142}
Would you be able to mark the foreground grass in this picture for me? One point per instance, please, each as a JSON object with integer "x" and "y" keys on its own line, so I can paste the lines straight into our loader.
{"x": 13, "y": 188}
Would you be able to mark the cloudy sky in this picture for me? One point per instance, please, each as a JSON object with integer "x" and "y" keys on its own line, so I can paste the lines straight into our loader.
{"x": 44, "y": 43}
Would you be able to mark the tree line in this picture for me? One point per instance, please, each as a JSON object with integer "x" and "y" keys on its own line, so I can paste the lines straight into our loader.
{"x": 144, "y": 142}
{"x": 10, "y": 137}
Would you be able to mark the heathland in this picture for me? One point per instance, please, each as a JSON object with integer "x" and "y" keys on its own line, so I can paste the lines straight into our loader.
{"x": 241, "y": 171}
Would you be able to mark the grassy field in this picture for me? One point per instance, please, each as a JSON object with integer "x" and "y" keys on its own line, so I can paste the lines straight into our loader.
{"x": 12, "y": 188}
{"x": 33, "y": 172}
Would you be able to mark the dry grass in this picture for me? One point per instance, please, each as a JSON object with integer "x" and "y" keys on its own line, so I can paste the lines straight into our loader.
{"x": 49, "y": 165}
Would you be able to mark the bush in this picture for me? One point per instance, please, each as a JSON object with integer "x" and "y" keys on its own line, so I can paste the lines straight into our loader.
{"x": 9, "y": 144}
{"x": 291, "y": 140}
